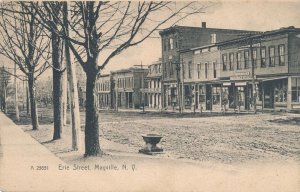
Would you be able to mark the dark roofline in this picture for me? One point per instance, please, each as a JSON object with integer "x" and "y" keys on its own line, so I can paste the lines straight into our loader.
{"x": 131, "y": 69}
{"x": 261, "y": 35}
{"x": 253, "y": 36}
{"x": 176, "y": 27}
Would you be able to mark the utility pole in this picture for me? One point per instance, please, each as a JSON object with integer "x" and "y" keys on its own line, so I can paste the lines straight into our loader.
{"x": 253, "y": 76}
{"x": 178, "y": 85}
{"x": 142, "y": 86}
{"x": 142, "y": 77}
{"x": 182, "y": 87}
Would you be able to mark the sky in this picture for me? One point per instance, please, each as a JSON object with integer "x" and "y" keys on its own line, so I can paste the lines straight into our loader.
{"x": 247, "y": 15}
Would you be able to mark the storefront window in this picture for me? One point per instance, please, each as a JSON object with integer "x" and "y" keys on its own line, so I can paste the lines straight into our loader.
{"x": 281, "y": 91}
{"x": 216, "y": 95}
{"x": 201, "y": 94}
{"x": 225, "y": 96}
{"x": 241, "y": 96}
{"x": 295, "y": 89}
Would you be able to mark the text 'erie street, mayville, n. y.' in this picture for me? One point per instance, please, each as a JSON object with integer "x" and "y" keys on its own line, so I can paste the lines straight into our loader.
{"x": 97, "y": 167}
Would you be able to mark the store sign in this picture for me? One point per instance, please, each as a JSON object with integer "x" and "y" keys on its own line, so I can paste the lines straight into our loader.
{"x": 242, "y": 76}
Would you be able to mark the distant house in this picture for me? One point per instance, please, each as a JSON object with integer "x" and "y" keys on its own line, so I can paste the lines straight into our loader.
{"x": 153, "y": 85}
{"x": 128, "y": 87}
{"x": 104, "y": 92}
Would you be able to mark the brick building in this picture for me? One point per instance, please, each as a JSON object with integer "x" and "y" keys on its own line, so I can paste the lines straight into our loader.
{"x": 219, "y": 76}
{"x": 153, "y": 86}
{"x": 177, "y": 38}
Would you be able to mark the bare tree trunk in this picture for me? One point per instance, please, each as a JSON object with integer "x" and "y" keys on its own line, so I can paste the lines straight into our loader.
{"x": 16, "y": 94}
{"x": 57, "y": 87}
{"x": 4, "y": 99}
{"x": 92, "y": 146}
{"x": 27, "y": 100}
{"x": 65, "y": 98}
{"x": 73, "y": 91}
{"x": 34, "y": 114}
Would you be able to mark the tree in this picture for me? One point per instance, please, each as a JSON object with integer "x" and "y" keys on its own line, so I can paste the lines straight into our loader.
{"x": 4, "y": 80}
{"x": 73, "y": 99}
{"x": 110, "y": 28}
{"x": 25, "y": 43}
{"x": 99, "y": 31}
{"x": 49, "y": 16}
{"x": 16, "y": 94}
{"x": 50, "y": 21}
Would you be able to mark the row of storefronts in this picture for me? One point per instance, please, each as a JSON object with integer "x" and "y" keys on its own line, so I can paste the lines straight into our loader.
{"x": 260, "y": 70}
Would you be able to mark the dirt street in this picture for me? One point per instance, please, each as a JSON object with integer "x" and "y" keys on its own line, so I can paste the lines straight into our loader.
{"x": 226, "y": 139}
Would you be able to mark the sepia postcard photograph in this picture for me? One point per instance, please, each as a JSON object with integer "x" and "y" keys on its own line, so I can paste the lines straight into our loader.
{"x": 150, "y": 96}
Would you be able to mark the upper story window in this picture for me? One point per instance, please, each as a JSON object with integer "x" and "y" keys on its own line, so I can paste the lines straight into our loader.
{"x": 165, "y": 70}
{"x": 213, "y": 38}
{"x": 238, "y": 60}
{"x": 254, "y": 56}
{"x": 183, "y": 70}
{"x": 272, "y": 56}
{"x": 198, "y": 70}
{"x": 263, "y": 56}
{"x": 214, "y": 69}
{"x": 224, "y": 62}
{"x": 165, "y": 44}
{"x": 231, "y": 60}
{"x": 171, "y": 44}
{"x": 281, "y": 50}
{"x": 190, "y": 69}
{"x": 246, "y": 57}
{"x": 206, "y": 70}
{"x": 159, "y": 68}
{"x": 171, "y": 69}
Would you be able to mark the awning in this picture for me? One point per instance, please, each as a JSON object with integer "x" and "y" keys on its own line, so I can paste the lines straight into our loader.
{"x": 271, "y": 78}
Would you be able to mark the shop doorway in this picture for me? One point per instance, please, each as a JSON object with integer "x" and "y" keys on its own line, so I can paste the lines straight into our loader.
{"x": 268, "y": 96}
{"x": 208, "y": 97}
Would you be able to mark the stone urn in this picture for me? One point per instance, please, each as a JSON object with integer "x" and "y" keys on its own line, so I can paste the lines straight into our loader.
{"x": 151, "y": 141}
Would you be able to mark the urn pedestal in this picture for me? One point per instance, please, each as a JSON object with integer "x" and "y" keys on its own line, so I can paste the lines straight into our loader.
{"x": 151, "y": 141}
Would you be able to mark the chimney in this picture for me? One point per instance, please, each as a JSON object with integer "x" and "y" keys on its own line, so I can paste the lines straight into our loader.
{"x": 203, "y": 24}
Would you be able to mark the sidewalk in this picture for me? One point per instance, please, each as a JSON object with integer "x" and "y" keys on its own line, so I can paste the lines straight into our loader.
{"x": 20, "y": 155}
{"x": 19, "y": 152}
